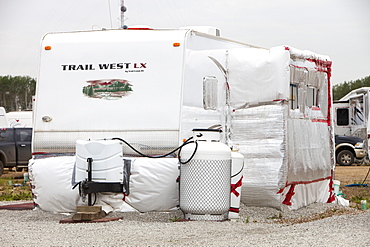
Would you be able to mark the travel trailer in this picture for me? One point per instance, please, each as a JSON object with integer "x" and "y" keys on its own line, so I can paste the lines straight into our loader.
{"x": 351, "y": 115}
{"x": 20, "y": 119}
{"x": 3, "y": 119}
{"x": 15, "y": 118}
{"x": 149, "y": 88}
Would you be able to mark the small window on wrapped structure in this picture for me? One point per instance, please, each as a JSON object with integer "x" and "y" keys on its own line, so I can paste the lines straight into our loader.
{"x": 210, "y": 93}
{"x": 342, "y": 116}
{"x": 293, "y": 96}
{"x": 311, "y": 99}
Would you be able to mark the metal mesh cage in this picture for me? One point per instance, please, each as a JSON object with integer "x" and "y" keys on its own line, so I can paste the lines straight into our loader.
{"x": 205, "y": 189}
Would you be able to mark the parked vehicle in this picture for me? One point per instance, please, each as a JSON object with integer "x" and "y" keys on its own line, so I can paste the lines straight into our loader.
{"x": 351, "y": 115}
{"x": 15, "y": 147}
{"x": 349, "y": 149}
{"x": 19, "y": 118}
{"x": 3, "y": 120}
{"x": 15, "y": 118}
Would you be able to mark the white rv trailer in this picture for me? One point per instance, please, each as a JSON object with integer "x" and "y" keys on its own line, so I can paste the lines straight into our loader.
{"x": 15, "y": 118}
{"x": 3, "y": 119}
{"x": 351, "y": 114}
{"x": 152, "y": 87}
{"x": 19, "y": 118}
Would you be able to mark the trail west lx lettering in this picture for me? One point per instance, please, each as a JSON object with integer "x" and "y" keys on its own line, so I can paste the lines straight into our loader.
{"x": 131, "y": 67}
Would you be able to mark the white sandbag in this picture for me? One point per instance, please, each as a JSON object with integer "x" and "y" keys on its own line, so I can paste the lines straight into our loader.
{"x": 51, "y": 184}
{"x": 153, "y": 184}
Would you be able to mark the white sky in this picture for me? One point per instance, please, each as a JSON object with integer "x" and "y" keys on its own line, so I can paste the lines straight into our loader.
{"x": 337, "y": 28}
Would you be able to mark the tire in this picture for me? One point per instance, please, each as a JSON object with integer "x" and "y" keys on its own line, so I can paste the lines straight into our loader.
{"x": 345, "y": 158}
{"x": 1, "y": 168}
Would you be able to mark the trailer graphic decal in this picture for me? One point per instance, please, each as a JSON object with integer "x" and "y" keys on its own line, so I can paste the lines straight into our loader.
{"x": 107, "y": 89}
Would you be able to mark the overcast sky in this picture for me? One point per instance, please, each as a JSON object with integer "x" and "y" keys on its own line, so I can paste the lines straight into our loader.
{"x": 337, "y": 28}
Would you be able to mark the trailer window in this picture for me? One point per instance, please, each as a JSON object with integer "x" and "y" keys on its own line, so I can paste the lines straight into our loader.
{"x": 342, "y": 116}
{"x": 293, "y": 96}
{"x": 210, "y": 93}
{"x": 311, "y": 97}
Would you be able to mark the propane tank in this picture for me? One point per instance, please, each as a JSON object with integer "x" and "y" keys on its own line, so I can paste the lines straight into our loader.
{"x": 237, "y": 165}
{"x": 205, "y": 179}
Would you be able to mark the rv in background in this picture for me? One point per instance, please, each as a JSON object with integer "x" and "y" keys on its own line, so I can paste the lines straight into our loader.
{"x": 19, "y": 119}
{"x": 351, "y": 115}
{"x": 3, "y": 120}
{"x": 15, "y": 118}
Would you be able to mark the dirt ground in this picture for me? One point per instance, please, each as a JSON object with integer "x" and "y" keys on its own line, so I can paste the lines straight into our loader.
{"x": 351, "y": 175}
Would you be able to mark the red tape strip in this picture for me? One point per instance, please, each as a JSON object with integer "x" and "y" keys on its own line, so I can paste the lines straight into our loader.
{"x": 234, "y": 186}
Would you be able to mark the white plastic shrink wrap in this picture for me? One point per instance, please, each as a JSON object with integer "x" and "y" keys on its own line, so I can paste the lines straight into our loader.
{"x": 51, "y": 180}
{"x": 153, "y": 186}
{"x": 286, "y": 133}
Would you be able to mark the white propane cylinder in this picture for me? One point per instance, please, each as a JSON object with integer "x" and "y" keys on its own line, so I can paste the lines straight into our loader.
{"x": 237, "y": 165}
{"x": 205, "y": 179}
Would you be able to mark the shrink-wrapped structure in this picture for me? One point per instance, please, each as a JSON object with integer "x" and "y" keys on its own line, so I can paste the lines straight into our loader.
{"x": 152, "y": 87}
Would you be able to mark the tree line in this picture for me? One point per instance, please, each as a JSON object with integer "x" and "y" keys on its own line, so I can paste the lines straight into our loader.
{"x": 16, "y": 92}
{"x": 342, "y": 89}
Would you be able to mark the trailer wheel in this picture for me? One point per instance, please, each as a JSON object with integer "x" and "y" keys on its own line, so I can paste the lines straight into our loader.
{"x": 1, "y": 168}
{"x": 345, "y": 158}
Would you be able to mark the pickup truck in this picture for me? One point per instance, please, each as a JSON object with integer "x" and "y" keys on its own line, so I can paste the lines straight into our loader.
{"x": 349, "y": 149}
{"x": 15, "y": 147}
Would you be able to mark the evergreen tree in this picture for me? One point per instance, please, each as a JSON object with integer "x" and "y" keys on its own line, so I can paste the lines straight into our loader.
{"x": 90, "y": 91}
{"x": 16, "y": 92}
{"x": 344, "y": 88}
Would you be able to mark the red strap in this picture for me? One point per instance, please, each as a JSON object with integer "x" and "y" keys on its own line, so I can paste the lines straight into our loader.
{"x": 289, "y": 195}
{"x": 331, "y": 195}
{"x": 235, "y": 210}
{"x": 234, "y": 186}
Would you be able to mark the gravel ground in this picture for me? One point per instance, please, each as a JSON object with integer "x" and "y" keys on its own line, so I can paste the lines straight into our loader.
{"x": 323, "y": 225}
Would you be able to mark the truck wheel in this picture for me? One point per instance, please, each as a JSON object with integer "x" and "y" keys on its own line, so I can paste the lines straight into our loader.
{"x": 1, "y": 168}
{"x": 345, "y": 158}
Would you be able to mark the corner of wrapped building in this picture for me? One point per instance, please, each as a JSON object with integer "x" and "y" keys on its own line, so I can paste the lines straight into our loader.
{"x": 285, "y": 134}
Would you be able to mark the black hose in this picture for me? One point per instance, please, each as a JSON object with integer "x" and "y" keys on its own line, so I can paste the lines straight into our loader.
{"x": 238, "y": 172}
{"x": 94, "y": 199}
{"x": 74, "y": 186}
{"x": 159, "y": 156}
{"x": 191, "y": 157}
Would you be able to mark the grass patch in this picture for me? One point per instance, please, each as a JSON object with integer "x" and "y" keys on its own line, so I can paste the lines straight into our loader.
{"x": 14, "y": 190}
{"x": 246, "y": 219}
{"x": 175, "y": 219}
{"x": 356, "y": 194}
{"x": 358, "y": 199}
